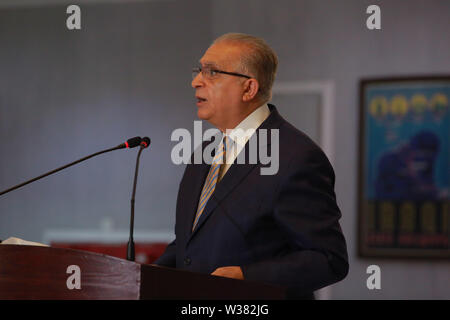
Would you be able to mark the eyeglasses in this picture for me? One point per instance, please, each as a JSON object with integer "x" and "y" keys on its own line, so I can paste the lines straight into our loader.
{"x": 210, "y": 73}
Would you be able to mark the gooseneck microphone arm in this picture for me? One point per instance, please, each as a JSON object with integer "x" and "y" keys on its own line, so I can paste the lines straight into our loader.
{"x": 130, "y": 247}
{"x": 131, "y": 143}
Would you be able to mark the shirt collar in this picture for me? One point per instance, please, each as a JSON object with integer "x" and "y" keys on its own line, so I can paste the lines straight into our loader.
{"x": 243, "y": 131}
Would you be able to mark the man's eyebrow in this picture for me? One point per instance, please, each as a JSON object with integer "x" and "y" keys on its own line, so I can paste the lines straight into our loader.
{"x": 208, "y": 64}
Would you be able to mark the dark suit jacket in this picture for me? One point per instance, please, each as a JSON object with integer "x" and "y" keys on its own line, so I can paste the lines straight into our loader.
{"x": 281, "y": 229}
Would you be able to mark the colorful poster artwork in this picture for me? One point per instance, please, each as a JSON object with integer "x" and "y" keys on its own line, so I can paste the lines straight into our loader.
{"x": 405, "y": 167}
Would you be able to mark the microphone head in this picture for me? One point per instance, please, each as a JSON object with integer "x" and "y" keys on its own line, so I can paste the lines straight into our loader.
{"x": 133, "y": 142}
{"x": 145, "y": 142}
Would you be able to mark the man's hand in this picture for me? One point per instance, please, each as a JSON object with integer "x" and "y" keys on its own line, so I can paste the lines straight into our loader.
{"x": 233, "y": 272}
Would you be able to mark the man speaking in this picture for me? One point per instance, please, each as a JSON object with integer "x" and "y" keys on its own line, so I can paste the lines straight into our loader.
{"x": 232, "y": 220}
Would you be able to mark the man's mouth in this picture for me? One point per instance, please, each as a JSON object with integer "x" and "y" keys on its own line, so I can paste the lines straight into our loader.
{"x": 200, "y": 99}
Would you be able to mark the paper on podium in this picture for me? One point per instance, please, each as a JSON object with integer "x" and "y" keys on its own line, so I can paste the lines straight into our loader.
{"x": 13, "y": 240}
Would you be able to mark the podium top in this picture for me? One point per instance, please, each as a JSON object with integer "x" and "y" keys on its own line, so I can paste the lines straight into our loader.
{"x": 29, "y": 272}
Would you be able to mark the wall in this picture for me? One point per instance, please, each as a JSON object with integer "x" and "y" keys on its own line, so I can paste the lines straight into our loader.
{"x": 65, "y": 94}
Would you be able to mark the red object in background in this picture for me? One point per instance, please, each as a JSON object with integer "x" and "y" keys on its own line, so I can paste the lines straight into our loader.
{"x": 145, "y": 252}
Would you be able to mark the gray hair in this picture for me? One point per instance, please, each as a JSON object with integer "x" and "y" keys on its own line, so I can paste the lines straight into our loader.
{"x": 259, "y": 61}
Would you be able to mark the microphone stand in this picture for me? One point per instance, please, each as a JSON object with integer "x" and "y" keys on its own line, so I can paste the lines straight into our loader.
{"x": 59, "y": 169}
{"x": 130, "y": 246}
{"x": 130, "y": 143}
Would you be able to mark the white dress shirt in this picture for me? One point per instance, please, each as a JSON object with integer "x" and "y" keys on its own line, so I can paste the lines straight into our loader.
{"x": 238, "y": 137}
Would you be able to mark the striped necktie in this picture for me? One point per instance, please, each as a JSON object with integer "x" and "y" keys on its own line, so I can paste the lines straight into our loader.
{"x": 211, "y": 179}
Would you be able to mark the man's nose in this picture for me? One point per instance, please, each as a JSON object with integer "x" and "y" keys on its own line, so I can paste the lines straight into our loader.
{"x": 197, "y": 81}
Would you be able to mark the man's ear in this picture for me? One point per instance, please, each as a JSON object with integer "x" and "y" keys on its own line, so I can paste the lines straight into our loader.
{"x": 251, "y": 88}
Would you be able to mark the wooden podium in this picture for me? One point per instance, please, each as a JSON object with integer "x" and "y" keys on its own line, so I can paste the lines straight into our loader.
{"x": 29, "y": 272}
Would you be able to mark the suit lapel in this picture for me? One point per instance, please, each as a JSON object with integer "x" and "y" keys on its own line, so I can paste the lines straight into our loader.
{"x": 199, "y": 171}
{"x": 234, "y": 176}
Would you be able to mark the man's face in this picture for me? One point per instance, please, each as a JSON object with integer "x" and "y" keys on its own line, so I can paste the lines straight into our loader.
{"x": 219, "y": 98}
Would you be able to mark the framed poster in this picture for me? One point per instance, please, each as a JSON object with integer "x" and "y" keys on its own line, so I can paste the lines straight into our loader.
{"x": 404, "y": 167}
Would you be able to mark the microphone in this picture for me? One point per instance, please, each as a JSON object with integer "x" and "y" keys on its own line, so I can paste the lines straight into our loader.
{"x": 145, "y": 143}
{"x": 130, "y": 143}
